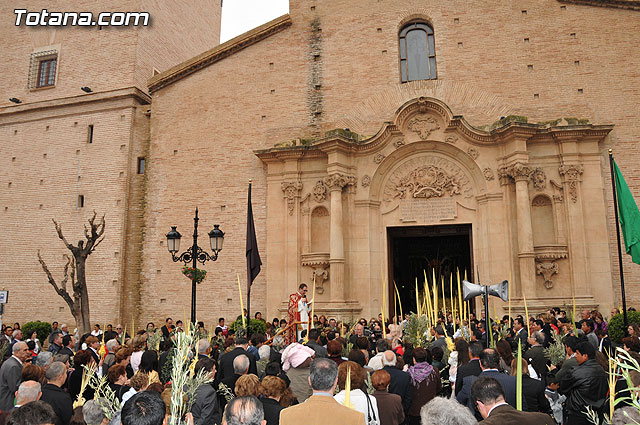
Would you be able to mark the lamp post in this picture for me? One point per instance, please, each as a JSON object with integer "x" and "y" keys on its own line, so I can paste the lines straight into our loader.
{"x": 195, "y": 254}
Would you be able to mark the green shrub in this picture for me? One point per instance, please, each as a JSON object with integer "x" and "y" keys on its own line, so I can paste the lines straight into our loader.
{"x": 43, "y": 329}
{"x": 254, "y": 326}
{"x": 616, "y": 327}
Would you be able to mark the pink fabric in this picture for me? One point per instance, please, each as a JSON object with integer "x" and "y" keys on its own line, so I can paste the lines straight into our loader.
{"x": 294, "y": 355}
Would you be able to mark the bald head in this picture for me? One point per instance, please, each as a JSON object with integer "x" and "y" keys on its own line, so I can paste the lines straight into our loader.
{"x": 389, "y": 358}
{"x": 28, "y": 391}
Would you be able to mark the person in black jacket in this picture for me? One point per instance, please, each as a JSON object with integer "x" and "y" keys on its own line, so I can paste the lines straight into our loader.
{"x": 470, "y": 369}
{"x": 272, "y": 390}
{"x": 584, "y": 385}
{"x": 205, "y": 408}
{"x": 400, "y": 381}
{"x": 53, "y": 394}
{"x": 532, "y": 389}
{"x": 226, "y": 361}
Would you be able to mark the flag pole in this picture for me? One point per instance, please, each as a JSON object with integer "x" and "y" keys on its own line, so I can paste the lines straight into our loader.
{"x": 615, "y": 209}
{"x": 249, "y": 282}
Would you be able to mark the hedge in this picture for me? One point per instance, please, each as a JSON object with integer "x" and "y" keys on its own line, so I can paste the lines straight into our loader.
{"x": 254, "y": 326}
{"x": 616, "y": 327}
{"x": 43, "y": 329}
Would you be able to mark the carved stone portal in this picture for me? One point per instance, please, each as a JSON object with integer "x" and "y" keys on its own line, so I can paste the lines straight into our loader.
{"x": 423, "y": 126}
{"x": 547, "y": 269}
{"x": 291, "y": 190}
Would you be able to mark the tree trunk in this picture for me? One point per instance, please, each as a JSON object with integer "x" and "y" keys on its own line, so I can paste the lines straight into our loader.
{"x": 84, "y": 323}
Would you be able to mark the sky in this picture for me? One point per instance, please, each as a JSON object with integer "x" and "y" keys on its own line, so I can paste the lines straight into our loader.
{"x": 240, "y": 16}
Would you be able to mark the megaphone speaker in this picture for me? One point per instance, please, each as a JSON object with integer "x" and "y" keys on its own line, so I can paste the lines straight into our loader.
{"x": 500, "y": 290}
{"x": 471, "y": 290}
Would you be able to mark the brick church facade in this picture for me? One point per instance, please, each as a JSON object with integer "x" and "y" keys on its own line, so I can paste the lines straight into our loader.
{"x": 372, "y": 133}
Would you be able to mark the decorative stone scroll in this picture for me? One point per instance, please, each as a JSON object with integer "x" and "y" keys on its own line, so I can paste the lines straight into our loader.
{"x": 423, "y": 125}
{"x": 557, "y": 191}
{"x": 539, "y": 179}
{"x": 366, "y": 180}
{"x": 398, "y": 143}
{"x": 473, "y": 153}
{"x": 488, "y": 174}
{"x": 291, "y": 190}
{"x": 319, "y": 263}
{"x": 427, "y": 210}
{"x": 451, "y": 139}
{"x": 378, "y": 158}
{"x": 430, "y": 177}
{"x": 319, "y": 191}
{"x": 571, "y": 174}
{"x": 546, "y": 265}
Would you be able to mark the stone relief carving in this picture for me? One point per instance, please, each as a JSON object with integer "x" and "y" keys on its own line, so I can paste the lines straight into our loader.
{"x": 557, "y": 191}
{"x": 378, "y": 158}
{"x": 423, "y": 126}
{"x": 366, "y": 181}
{"x": 473, "y": 153}
{"x": 319, "y": 191}
{"x": 291, "y": 190}
{"x": 338, "y": 181}
{"x": 539, "y": 179}
{"x": 488, "y": 174}
{"x": 571, "y": 174}
{"x": 320, "y": 275}
{"x": 547, "y": 269}
{"x": 398, "y": 143}
{"x": 430, "y": 176}
{"x": 451, "y": 139}
{"x": 518, "y": 171}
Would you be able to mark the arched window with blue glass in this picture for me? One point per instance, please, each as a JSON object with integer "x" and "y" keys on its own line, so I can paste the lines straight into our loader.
{"x": 417, "y": 52}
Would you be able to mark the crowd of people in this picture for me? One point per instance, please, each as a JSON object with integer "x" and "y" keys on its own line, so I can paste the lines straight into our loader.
{"x": 367, "y": 373}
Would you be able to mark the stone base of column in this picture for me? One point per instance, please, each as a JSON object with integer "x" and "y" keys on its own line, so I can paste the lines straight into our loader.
{"x": 336, "y": 280}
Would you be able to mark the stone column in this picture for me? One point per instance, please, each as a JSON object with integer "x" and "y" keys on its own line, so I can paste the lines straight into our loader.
{"x": 336, "y": 182}
{"x": 291, "y": 190}
{"x": 521, "y": 173}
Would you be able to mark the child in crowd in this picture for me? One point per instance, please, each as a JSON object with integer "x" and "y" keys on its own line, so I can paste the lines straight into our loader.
{"x": 555, "y": 399}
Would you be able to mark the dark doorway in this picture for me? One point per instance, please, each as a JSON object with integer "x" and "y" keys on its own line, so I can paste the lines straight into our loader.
{"x": 414, "y": 250}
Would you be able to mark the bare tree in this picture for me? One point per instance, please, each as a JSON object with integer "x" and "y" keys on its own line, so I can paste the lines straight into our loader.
{"x": 74, "y": 271}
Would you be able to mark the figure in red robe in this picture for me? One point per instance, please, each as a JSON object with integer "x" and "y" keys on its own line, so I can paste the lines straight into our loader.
{"x": 294, "y": 314}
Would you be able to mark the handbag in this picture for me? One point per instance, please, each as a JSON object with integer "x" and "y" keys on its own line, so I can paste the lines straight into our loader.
{"x": 371, "y": 412}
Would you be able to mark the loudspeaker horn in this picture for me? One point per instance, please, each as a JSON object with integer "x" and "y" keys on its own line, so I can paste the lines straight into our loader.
{"x": 472, "y": 290}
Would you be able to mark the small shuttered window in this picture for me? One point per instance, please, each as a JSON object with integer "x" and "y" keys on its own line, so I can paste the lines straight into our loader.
{"x": 417, "y": 52}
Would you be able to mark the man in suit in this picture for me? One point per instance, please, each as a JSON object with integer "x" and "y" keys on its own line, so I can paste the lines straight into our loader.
{"x": 570, "y": 343}
{"x": 400, "y": 382}
{"x": 11, "y": 374}
{"x": 204, "y": 349}
{"x": 53, "y": 394}
{"x": 321, "y": 408}
{"x": 488, "y": 396}
{"x": 56, "y": 343}
{"x": 314, "y": 343}
{"x": 535, "y": 355}
{"x": 68, "y": 345}
{"x": 440, "y": 340}
{"x": 470, "y": 369}
{"x": 489, "y": 362}
{"x": 226, "y": 361}
{"x": 520, "y": 332}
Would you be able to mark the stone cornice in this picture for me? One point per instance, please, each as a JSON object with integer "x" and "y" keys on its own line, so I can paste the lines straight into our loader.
{"x": 616, "y": 4}
{"x": 218, "y": 53}
{"x": 83, "y": 99}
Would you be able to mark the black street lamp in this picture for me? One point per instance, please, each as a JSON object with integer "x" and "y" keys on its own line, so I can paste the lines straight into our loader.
{"x": 195, "y": 253}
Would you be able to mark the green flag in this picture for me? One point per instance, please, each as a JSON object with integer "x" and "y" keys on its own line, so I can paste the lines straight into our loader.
{"x": 629, "y": 216}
